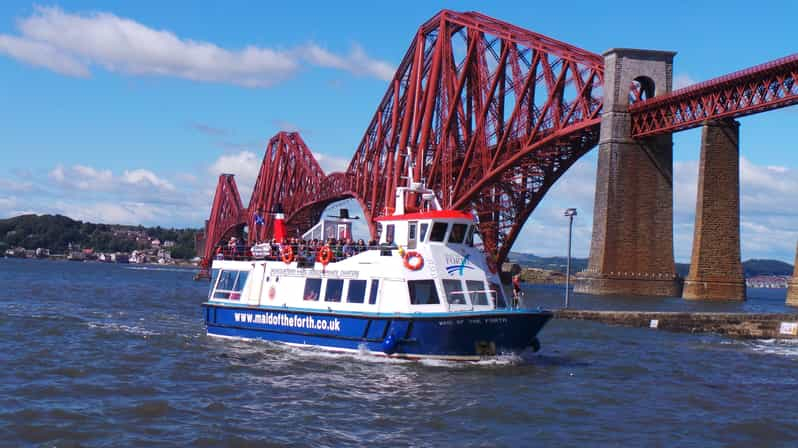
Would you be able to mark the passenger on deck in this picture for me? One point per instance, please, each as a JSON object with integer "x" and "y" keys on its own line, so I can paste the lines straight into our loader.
{"x": 232, "y": 247}
{"x": 386, "y": 248}
{"x": 349, "y": 248}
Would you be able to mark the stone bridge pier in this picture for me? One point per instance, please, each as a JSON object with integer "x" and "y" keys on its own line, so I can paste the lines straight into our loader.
{"x": 631, "y": 251}
{"x": 792, "y": 289}
{"x": 716, "y": 269}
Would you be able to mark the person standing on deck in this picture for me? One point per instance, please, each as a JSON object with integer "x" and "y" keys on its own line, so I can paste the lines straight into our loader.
{"x": 516, "y": 290}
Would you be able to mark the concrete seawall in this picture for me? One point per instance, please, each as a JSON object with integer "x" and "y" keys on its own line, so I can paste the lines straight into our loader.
{"x": 736, "y": 325}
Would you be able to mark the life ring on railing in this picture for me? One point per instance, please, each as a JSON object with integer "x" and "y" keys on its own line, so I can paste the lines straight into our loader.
{"x": 288, "y": 255}
{"x": 325, "y": 255}
{"x": 413, "y": 266}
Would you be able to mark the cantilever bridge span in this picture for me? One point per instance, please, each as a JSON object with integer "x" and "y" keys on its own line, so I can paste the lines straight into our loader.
{"x": 489, "y": 115}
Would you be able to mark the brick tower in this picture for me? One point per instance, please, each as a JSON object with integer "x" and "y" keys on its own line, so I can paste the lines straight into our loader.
{"x": 792, "y": 290}
{"x": 631, "y": 252}
{"x": 716, "y": 271}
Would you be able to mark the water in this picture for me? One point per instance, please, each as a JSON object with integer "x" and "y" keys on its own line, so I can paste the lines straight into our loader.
{"x": 111, "y": 355}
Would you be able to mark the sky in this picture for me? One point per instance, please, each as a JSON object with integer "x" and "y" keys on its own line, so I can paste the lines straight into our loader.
{"x": 127, "y": 112}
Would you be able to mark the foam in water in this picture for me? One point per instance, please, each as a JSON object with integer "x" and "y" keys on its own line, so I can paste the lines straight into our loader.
{"x": 117, "y": 327}
{"x": 781, "y": 347}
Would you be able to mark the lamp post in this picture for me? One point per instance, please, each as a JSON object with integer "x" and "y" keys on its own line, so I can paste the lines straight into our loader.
{"x": 570, "y": 213}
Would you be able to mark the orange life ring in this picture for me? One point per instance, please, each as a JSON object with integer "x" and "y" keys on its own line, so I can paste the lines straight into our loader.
{"x": 325, "y": 255}
{"x": 288, "y": 254}
{"x": 419, "y": 260}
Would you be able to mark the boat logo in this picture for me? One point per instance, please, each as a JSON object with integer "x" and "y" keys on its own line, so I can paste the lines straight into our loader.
{"x": 457, "y": 264}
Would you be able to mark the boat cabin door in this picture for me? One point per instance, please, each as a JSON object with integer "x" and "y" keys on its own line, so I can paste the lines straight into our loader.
{"x": 342, "y": 232}
{"x": 412, "y": 226}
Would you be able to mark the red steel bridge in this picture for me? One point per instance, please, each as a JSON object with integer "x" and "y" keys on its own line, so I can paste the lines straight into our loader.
{"x": 487, "y": 114}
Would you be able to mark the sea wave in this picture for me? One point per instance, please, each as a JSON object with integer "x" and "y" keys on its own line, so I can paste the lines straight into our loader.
{"x": 117, "y": 327}
{"x": 780, "y": 347}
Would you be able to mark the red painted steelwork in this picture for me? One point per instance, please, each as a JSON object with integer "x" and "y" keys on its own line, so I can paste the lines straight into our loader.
{"x": 289, "y": 176}
{"x": 485, "y": 113}
{"x": 226, "y": 214}
{"x": 492, "y": 115}
{"x": 753, "y": 90}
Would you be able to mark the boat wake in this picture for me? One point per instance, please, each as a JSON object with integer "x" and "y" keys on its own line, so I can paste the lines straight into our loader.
{"x": 780, "y": 347}
{"x": 117, "y": 327}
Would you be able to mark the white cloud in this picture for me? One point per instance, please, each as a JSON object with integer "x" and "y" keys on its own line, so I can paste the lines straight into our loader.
{"x": 245, "y": 165}
{"x": 7, "y": 203}
{"x": 357, "y": 61}
{"x": 682, "y": 80}
{"x": 16, "y": 185}
{"x": 82, "y": 177}
{"x": 71, "y": 44}
{"x": 331, "y": 164}
{"x": 87, "y": 178}
{"x": 42, "y": 54}
{"x": 112, "y": 212}
{"x": 146, "y": 178}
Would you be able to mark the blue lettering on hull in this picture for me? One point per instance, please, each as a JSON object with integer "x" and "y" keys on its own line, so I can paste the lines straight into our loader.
{"x": 466, "y": 335}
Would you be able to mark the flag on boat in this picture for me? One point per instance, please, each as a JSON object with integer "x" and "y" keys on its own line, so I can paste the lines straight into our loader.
{"x": 259, "y": 219}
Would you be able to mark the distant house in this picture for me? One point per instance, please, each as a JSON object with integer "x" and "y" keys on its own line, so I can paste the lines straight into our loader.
{"x": 164, "y": 256}
{"x": 156, "y": 242}
{"x": 168, "y": 243}
{"x": 137, "y": 257}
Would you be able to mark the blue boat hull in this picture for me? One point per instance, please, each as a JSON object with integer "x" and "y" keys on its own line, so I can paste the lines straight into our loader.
{"x": 462, "y": 336}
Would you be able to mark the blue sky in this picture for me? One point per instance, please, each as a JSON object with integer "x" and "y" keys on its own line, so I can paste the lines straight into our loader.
{"x": 126, "y": 112}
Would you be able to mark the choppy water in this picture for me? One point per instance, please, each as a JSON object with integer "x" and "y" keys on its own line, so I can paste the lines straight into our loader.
{"x": 108, "y": 355}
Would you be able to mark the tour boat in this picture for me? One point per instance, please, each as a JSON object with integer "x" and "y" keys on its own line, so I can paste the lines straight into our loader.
{"x": 424, "y": 292}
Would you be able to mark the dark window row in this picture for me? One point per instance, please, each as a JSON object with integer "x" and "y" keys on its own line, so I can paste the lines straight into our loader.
{"x": 333, "y": 290}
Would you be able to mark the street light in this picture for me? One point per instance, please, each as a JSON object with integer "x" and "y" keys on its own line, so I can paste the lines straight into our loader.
{"x": 570, "y": 213}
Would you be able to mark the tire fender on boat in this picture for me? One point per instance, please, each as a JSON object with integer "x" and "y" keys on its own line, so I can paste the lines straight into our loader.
{"x": 390, "y": 344}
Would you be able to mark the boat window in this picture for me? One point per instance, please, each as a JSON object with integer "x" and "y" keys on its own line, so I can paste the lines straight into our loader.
{"x": 375, "y": 285}
{"x": 312, "y": 289}
{"x": 357, "y": 291}
{"x": 389, "y": 233}
{"x": 230, "y": 284}
{"x": 422, "y": 292}
{"x": 470, "y": 236}
{"x": 498, "y": 295}
{"x": 477, "y": 291}
{"x": 458, "y": 233}
{"x": 241, "y": 281}
{"x": 214, "y": 279}
{"x": 422, "y": 232}
{"x": 455, "y": 293}
{"x": 334, "y": 290}
{"x": 438, "y": 231}
{"x": 226, "y": 280}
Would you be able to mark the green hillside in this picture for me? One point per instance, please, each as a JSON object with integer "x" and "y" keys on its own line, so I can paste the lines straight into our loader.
{"x": 56, "y": 232}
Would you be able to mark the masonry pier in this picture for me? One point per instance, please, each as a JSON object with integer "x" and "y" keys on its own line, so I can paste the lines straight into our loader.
{"x": 792, "y": 289}
{"x": 716, "y": 270}
{"x": 631, "y": 252}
